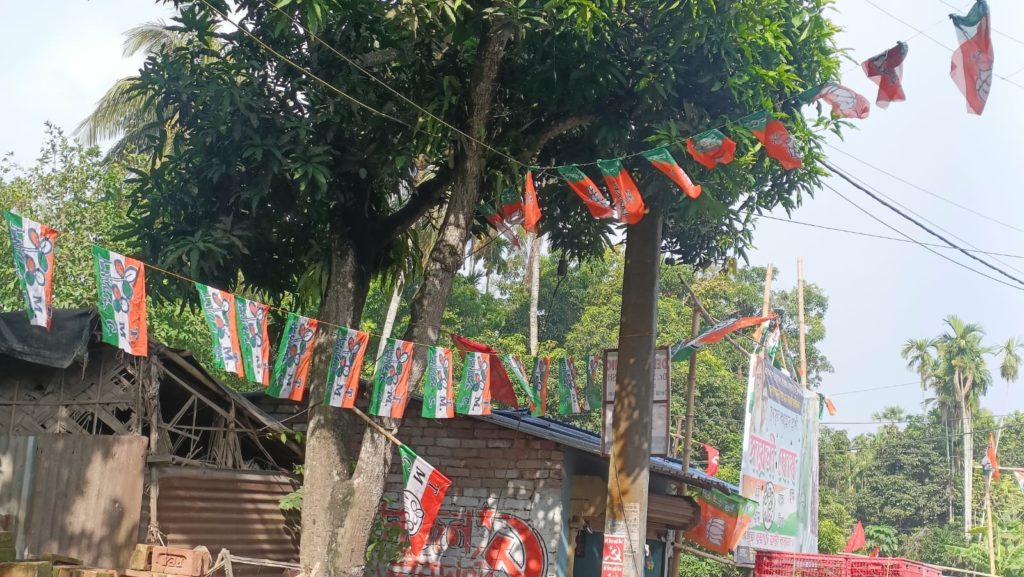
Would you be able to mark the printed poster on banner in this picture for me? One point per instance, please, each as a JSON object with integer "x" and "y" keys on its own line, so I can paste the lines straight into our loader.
{"x": 780, "y": 463}
{"x": 613, "y": 556}
{"x": 660, "y": 433}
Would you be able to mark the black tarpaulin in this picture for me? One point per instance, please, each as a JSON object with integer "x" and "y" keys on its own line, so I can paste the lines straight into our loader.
{"x": 67, "y": 339}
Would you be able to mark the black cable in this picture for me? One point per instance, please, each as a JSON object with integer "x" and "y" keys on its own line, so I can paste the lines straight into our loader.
{"x": 925, "y": 228}
{"x": 883, "y": 237}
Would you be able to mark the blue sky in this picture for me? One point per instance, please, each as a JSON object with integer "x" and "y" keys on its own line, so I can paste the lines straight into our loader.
{"x": 881, "y": 291}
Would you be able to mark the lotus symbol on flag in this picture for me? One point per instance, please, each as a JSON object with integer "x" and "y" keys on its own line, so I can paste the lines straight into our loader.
{"x": 983, "y": 82}
{"x": 715, "y": 531}
{"x": 413, "y": 513}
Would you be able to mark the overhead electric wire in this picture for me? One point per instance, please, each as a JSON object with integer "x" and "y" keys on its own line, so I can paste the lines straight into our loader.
{"x": 925, "y": 190}
{"x": 883, "y": 237}
{"x": 925, "y": 219}
{"x": 1019, "y": 286}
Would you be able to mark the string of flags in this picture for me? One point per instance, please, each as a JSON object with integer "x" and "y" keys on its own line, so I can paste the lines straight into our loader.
{"x": 970, "y": 69}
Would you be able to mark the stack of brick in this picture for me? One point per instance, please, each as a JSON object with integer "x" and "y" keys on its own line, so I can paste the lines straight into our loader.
{"x": 152, "y": 561}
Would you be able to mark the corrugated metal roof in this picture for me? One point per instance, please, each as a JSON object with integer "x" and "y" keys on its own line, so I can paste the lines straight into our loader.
{"x": 583, "y": 440}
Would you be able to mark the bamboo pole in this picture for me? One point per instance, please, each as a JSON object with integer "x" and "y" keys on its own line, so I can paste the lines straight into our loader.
{"x": 691, "y": 386}
{"x": 767, "y": 300}
{"x": 800, "y": 316}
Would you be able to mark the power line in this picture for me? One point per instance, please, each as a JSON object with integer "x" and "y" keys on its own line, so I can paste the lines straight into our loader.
{"x": 923, "y": 227}
{"x": 924, "y": 190}
{"x": 882, "y": 388}
{"x": 934, "y": 224}
{"x": 883, "y": 237}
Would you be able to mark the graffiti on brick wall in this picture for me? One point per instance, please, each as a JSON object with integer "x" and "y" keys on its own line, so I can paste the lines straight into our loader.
{"x": 473, "y": 543}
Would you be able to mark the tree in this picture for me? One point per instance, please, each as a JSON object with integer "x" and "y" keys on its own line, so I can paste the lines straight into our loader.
{"x": 891, "y": 414}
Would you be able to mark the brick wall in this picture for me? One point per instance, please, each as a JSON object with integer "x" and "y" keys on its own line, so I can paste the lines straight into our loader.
{"x": 504, "y": 508}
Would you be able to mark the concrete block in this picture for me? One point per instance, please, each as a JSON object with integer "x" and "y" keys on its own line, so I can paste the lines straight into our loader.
{"x": 26, "y": 569}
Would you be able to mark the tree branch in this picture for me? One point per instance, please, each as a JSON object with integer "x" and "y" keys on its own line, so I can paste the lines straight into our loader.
{"x": 423, "y": 198}
{"x": 553, "y": 130}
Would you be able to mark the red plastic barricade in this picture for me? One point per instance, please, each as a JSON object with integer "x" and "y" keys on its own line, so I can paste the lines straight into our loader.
{"x": 775, "y": 564}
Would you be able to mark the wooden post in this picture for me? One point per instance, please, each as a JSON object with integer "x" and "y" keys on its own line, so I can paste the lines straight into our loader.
{"x": 630, "y": 460}
{"x": 767, "y": 299}
{"x": 800, "y": 319}
{"x": 691, "y": 385}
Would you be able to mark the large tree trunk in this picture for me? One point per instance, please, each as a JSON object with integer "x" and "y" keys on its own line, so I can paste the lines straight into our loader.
{"x": 426, "y": 309}
{"x": 327, "y": 496}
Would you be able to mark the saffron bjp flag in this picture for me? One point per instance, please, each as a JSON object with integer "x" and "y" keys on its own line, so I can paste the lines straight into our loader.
{"x": 474, "y": 396}
{"x": 121, "y": 283}
{"x": 517, "y": 373}
{"x": 845, "y": 102}
{"x": 425, "y": 488}
{"x": 568, "y": 394}
{"x": 662, "y": 159}
{"x": 498, "y": 223}
{"x": 830, "y": 407}
{"x": 32, "y": 244}
{"x": 886, "y": 70}
{"x": 593, "y": 391}
{"x": 712, "y": 466}
{"x": 438, "y": 401}
{"x": 391, "y": 383}
{"x": 682, "y": 350}
{"x": 531, "y": 207}
{"x": 294, "y": 355}
{"x": 971, "y": 67}
{"x": 346, "y": 365}
{"x": 711, "y": 148}
{"x": 990, "y": 462}
{"x": 219, "y": 310}
{"x": 596, "y": 202}
{"x": 629, "y": 205}
{"x": 511, "y": 207}
{"x": 539, "y": 381}
{"x": 254, "y": 339}
{"x": 777, "y": 141}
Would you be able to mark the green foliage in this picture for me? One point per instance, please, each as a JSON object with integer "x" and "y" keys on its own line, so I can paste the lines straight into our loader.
{"x": 884, "y": 537}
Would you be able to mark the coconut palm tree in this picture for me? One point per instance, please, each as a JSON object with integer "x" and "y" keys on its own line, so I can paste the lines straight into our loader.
{"x": 892, "y": 415}
{"x": 126, "y": 114}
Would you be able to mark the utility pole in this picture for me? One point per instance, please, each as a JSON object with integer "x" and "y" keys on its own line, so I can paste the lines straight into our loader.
{"x": 800, "y": 317}
{"x": 691, "y": 385}
{"x": 629, "y": 463}
{"x": 767, "y": 303}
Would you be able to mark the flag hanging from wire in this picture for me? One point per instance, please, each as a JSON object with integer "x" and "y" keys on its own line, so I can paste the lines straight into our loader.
{"x": 886, "y": 70}
{"x": 777, "y": 141}
{"x": 474, "y": 396}
{"x": 568, "y": 394}
{"x": 517, "y": 374}
{"x": 346, "y": 364}
{"x": 500, "y": 386}
{"x": 682, "y": 350}
{"x": 712, "y": 466}
{"x": 121, "y": 283}
{"x": 663, "y": 160}
{"x": 391, "y": 381}
{"x": 971, "y": 66}
{"x": 254, "y": 339}
{"x": 990, "y": 462}
{"x": 425, "y": 488}
{"x": 711, "y": 148}
{"x": 438, "y": 393}
{"x": 531, "y": 207}
{"x": 33, "y": 244}
{"x": 539, "y": 382}
{"x": 221, "y": 319}
{"x": 845, "y": 102}
{"x": 629, "y": 205}
{"x": 596, "y": 202}
{"x": 294, "y": 356}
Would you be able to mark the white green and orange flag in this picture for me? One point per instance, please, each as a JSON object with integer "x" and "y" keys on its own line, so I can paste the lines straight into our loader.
{"x": 568, "y": 394}
{"x": 425, "y": 488}
{"x": 474, "y": 396}
{"x": 517, "y": 373}
{"x": 219, "y": 310}
{"x": 254, "y": 339}
{"x": 121, "y": 283}
{"x": 629, "y": 205}
{"x": 682, "y": 350}
{"x": 346, "y": 364}
{"x": 539, "y": 383}
{"x": 971, "y": 67}
{"x": 438, "y": 401}
{"x": 662, "y": 159}
{"x": 596, "y": 202}
{"x": 32, "y": 244}
{"x": 391, "y": 383}
{"x": 294, "y": 356}
{"x": 593, "y": 392}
